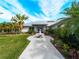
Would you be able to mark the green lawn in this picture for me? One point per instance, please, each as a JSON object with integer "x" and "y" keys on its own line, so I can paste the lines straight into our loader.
{"x": 11, "y": 46}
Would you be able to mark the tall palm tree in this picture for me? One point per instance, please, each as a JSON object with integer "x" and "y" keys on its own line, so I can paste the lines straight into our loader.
{"x": 72, "y": 23}
{"x": 0, "y": 27}
{"x": 3, "y": 27}
{"x": 1, "y": 24}
{"x": 19, "y": 19}
{"x": 73, "y": 11}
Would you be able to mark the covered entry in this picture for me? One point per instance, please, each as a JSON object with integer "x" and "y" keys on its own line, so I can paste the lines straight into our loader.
{"x": 37, "y": 28}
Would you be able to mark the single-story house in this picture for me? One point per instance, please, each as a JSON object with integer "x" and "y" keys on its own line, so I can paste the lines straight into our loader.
{"x": 37, "y": 25}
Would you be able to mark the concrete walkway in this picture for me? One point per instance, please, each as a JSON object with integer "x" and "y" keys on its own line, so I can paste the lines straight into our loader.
{"x": 40, "y": 47}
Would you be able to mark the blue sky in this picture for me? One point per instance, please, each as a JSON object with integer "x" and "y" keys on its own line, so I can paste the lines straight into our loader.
{"x": 37, "y": 10}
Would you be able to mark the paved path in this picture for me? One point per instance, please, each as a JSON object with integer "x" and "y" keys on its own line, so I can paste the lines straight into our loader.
{"x": 40, "y": 47}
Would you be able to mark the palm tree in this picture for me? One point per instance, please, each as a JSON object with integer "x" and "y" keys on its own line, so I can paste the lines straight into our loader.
{"x": 72, "y": 23}
{"x": 3, "y": 26}
{"x": 73, "y": 11}
{"x": 8, "y": 27}
{"x": 19, "y": 20}
{"x": 0, "y": 27}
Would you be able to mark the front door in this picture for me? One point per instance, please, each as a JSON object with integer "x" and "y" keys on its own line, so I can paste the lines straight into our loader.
{"x": 40, "y": 28}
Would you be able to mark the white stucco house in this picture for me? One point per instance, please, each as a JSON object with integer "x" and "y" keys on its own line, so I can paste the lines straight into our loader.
{"x": 37, "y": 25}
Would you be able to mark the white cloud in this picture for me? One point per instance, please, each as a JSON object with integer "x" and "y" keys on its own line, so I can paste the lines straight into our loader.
{"x": 22, "y": 10}
{"x": 19, "y": 8}
{"x": 51, "y": 7}
{"x": 6, "y": 14}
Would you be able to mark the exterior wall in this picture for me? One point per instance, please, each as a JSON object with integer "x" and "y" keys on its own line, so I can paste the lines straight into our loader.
{"x": 37, "y": 28}
{"x": 54, "y": 27}
{"x": 25, "y": 29}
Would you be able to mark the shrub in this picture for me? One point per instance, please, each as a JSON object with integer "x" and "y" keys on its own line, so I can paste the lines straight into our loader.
{"x": 31, "y": 30}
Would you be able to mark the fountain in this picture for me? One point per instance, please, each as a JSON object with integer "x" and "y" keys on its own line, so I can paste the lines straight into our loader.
{"x": 40, "y": 47}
